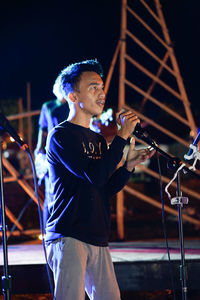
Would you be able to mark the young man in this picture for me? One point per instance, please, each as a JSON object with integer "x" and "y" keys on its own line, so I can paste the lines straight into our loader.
{"x": 83, "y": 177}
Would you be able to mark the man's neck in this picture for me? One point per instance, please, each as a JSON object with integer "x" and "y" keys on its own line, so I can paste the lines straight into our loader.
{"x": 81, "y": 120}
{"x": 79, "y": 117}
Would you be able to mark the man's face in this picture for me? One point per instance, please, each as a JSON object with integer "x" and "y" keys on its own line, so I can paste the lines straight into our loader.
{"x": 90, "y": 95}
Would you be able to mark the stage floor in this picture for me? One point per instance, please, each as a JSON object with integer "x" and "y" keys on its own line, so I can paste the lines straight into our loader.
{"x": 141, "y": 265}
{"x": 25, "y": 254}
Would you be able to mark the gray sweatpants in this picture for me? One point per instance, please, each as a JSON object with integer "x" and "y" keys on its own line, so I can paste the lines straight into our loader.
{"x": 78, "y": 266}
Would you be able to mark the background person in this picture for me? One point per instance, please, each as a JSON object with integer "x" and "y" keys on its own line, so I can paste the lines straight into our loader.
{"x": 52, "y": 113}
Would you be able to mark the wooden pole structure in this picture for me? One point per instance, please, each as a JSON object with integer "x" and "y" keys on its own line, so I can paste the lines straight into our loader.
{"x": 158, "y": 103}
{"x": 180, "y": 84}
{"x": 173, "y": 70}
{"x": 21, "y": 127}
{"x": 151, "y": 87}
{"x": 157, "y": 204}
{"x": 121, "y": 102}
{"x": 30, "y": 129}
{"x": 152, "y": 76}
{"x": 22, "y": 182}
{"x": 15, "y": 176}
{"x": 122, "y": 65}
{"x": 13, "y": 219}
{"x": 111, "y": 69}
{"x": 150, "y": 52}
{"x": 159, "y": 127}
{"x": 165, "y": 179}
{"x": 24, "y": 115}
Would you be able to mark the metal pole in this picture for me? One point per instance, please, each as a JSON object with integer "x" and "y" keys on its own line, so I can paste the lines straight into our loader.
{"x": 183, "y": 268}
{"x": 6, "y": 279}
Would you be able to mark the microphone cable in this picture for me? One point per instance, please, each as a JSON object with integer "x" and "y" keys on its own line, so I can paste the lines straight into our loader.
{"x": 41, "y": 222}
{"x": 164, "y": 227}
{"x": 23, "y": 211}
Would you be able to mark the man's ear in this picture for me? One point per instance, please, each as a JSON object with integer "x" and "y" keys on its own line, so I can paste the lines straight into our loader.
{"x": 72, "y": 96}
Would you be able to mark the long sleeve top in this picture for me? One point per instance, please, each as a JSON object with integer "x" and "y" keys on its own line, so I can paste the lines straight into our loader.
{"x": 83, "y": 176}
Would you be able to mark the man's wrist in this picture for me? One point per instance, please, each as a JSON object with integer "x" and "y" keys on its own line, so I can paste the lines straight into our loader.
{"x": 128, "y": 167}
{"x": 122, "y": 135}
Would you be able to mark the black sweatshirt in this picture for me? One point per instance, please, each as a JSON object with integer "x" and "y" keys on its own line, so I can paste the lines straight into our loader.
{"x": 83, "y": 176}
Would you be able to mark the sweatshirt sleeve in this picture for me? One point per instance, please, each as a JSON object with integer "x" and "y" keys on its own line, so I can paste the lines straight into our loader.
{"x": 70, "y": 154}
{"x": 117, "y": 181}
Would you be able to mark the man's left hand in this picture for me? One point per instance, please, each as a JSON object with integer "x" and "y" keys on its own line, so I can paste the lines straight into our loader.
{"x": 135, "y": 157}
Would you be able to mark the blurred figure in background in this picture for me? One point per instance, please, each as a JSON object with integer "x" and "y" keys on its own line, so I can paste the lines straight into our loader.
{"x": 52, "y": 113}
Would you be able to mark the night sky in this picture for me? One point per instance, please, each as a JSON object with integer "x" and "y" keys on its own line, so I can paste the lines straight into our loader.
{"x": 39, "y": 38}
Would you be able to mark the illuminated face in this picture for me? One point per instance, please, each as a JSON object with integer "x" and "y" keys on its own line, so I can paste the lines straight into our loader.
{"x": 90, "y": 97}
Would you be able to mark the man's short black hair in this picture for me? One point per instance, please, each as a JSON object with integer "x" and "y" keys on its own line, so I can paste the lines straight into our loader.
{"x": 68, "y": 79}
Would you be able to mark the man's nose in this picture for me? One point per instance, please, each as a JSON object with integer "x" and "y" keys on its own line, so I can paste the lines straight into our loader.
{"x": 102, "y": 94}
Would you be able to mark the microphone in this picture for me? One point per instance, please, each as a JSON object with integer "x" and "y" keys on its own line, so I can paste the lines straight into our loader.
{"x": 5, "y": 125}
{"x": 141, "y": 134}
{"x": 189, "y": 156}
{"x": 139, "y": 131}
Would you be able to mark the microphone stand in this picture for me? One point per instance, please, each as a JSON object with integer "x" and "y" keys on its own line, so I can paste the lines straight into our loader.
{"x": 179, "y": 200}
{"x": 6, "y": 279}
{"x": 174, "y": 163}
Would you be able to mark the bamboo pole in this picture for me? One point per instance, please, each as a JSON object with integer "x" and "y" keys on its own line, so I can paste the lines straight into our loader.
{"x": 154, "y": 100}
{"x": 30, "y": 129}
{"x": 15, "y": 176}
{"x": 8, "y": 179}
{"x": 111, "y": 69}
{"x": 151, "y": 87}
{"x": 12, "y": 178}
{"x": 121, "y": 102}
{"x": 28, "y": 232}
{"x": 166, "y": 180}
{"x": 21, "y": 127}
{"x": 13, "y": 219}
{"x": 23, "y": 115}
{"x": 22, "y": 182}
{"x": 182, "y": 96}
{"x": 156, "y": 125}
{"x": 150, "y": 11}
{"x": 176, "y": 68}
{"x": 147, "y": 50}
{"x": 148, "y": 27}
{"x": 155, "y": 203}
{"x": 152, "y": 76}
{"x": 122, "y": 66}
{"x": 120, "y": 215}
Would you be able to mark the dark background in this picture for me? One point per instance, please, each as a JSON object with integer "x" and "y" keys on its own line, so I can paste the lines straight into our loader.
{"x": 39, "y": 38}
